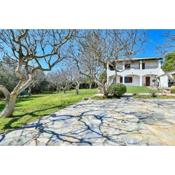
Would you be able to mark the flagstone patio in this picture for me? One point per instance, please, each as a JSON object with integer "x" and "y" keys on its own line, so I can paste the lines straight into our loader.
{"x": 125, "y": 121}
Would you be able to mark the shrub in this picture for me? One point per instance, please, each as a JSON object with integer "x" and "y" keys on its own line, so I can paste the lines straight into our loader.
{"x": 173, "y": 89}
{"x": 117, "y": 90}
{"x": 153, "y": 93}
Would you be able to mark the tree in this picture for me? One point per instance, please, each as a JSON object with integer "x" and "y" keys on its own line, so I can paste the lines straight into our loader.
{"x": 167, "y": 51}
{"x": 37, "y": 85}
{"x": 59, "y": 80}
{"x": 94, "y": 48}
{"x": 169, "y": 63}
{"x": 65, "y": 78}
{"x": 74, "y": 77}
{"x": 7, "y": 76}
{"x": 31, "y": 50}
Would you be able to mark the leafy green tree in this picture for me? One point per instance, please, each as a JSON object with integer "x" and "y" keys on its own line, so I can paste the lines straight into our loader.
{"x": 169, "y": 64}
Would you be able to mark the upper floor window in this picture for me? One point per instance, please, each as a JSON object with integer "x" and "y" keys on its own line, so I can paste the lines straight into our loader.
{"x": 127, "y": 66}
{"x": 143, "y": 65}
{"x": 111, "y": 66}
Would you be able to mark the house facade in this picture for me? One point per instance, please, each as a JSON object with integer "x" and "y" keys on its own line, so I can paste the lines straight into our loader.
{"x": 137, "y": 72}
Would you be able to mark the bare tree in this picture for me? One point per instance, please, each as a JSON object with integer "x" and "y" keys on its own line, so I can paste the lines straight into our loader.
{"x": 95, "y": 48}
{"x": 38, "y": 78}
{"x": 74, "y": 77}
{"x": 166, "y": 50}
{"x": 66, "y": 78}
{"x": 31, "y": 50}
{"x": 60, "y": 80}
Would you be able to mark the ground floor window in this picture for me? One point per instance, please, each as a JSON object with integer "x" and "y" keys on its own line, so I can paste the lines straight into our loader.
{"x": 121, "y": 79}
{"x": 128, "y": 79}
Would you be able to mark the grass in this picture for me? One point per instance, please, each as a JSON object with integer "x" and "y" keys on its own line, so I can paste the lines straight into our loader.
{"x": 150, "y": 97}
{"x": 139, "y": 89}
{"x": 29, "y": 109}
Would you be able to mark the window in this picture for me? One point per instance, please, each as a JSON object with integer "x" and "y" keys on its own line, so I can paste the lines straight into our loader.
{"x": 127, "y": 66}
{"x": 143, "y": 65}
{"x": 121, "y": 79}
{"x": 128, "y": 79}
{"x": 111, "y": 66}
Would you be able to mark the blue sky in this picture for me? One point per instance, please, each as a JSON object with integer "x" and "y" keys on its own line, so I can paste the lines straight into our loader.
{"x": 155, "y": 39}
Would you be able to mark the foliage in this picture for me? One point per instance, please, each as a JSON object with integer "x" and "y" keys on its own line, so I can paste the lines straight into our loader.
{"x": 154, "y": 92}
{"x": 139, "y": 89}
{"x": 103, "y": 77}
{"x": 173, "y": 89}
{"x": 150, "y": 97}
{"x": 29, "y": 109}
{"x": 117, "y": 90}
{"x": 169, "y": 64}
{"x": 7, "y": 74}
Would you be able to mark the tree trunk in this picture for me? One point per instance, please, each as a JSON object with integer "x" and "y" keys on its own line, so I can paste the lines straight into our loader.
{"x": 11, "y": 97}
{"x": 103, "y": 88}
{"x": 58, "y": 89}
{"x": 104, "y": 91}
{"x": 5, "y": 92}
{"x": 77, "y": 88}
{"x": 30, "y": 91}
{"x": 10, "y": 106}
{"x": 90, "y": 85}
{"x": 10, "y": 102}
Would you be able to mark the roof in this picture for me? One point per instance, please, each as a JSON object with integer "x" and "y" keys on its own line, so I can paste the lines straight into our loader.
{"x": 137, "y": 59}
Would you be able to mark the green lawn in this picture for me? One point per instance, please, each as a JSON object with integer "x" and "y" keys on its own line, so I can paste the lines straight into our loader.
{"x": 31, "y": 108}
{"x": 139, "y": 89}
{"x": 150, "y": 97}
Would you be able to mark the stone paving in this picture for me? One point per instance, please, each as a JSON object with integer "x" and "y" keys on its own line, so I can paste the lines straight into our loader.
{"x": 124, "y": 121}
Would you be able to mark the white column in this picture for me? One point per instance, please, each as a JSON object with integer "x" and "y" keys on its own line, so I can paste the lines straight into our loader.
{"x": 116, "y": 78}
{"x": 140, "y": 80}
{"x": 123, "y": 65}
{"x": 123, "y": 80}
{"x": 140, "y": 64}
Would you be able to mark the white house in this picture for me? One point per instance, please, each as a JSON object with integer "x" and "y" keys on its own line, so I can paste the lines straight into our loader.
{"x": 137, "y": 72}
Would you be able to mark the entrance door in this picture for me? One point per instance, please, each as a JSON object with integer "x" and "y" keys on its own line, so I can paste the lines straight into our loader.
{"x": 147, "y": 81}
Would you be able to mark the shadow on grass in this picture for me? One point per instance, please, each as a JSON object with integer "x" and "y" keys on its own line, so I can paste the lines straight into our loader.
{"x": 32, "y": 116}
{"x": 20, "y": 99}
{"x": 26, "y": 98}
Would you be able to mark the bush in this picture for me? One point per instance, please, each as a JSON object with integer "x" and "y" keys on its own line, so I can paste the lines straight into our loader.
{"x": 153, "y": 93}
{"x": 173, "y": 89}
{"x": 117, "y": 90}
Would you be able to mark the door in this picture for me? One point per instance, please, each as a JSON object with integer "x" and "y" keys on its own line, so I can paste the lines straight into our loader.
{"x": 147, "y": 81}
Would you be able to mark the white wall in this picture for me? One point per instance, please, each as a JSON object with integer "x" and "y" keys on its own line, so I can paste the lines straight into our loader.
{"x": 164, "y": 81}
{"x": 135, "y": 81}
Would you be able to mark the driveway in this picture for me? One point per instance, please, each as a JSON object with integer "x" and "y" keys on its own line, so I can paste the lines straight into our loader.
{"x": 124, "y": 121}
